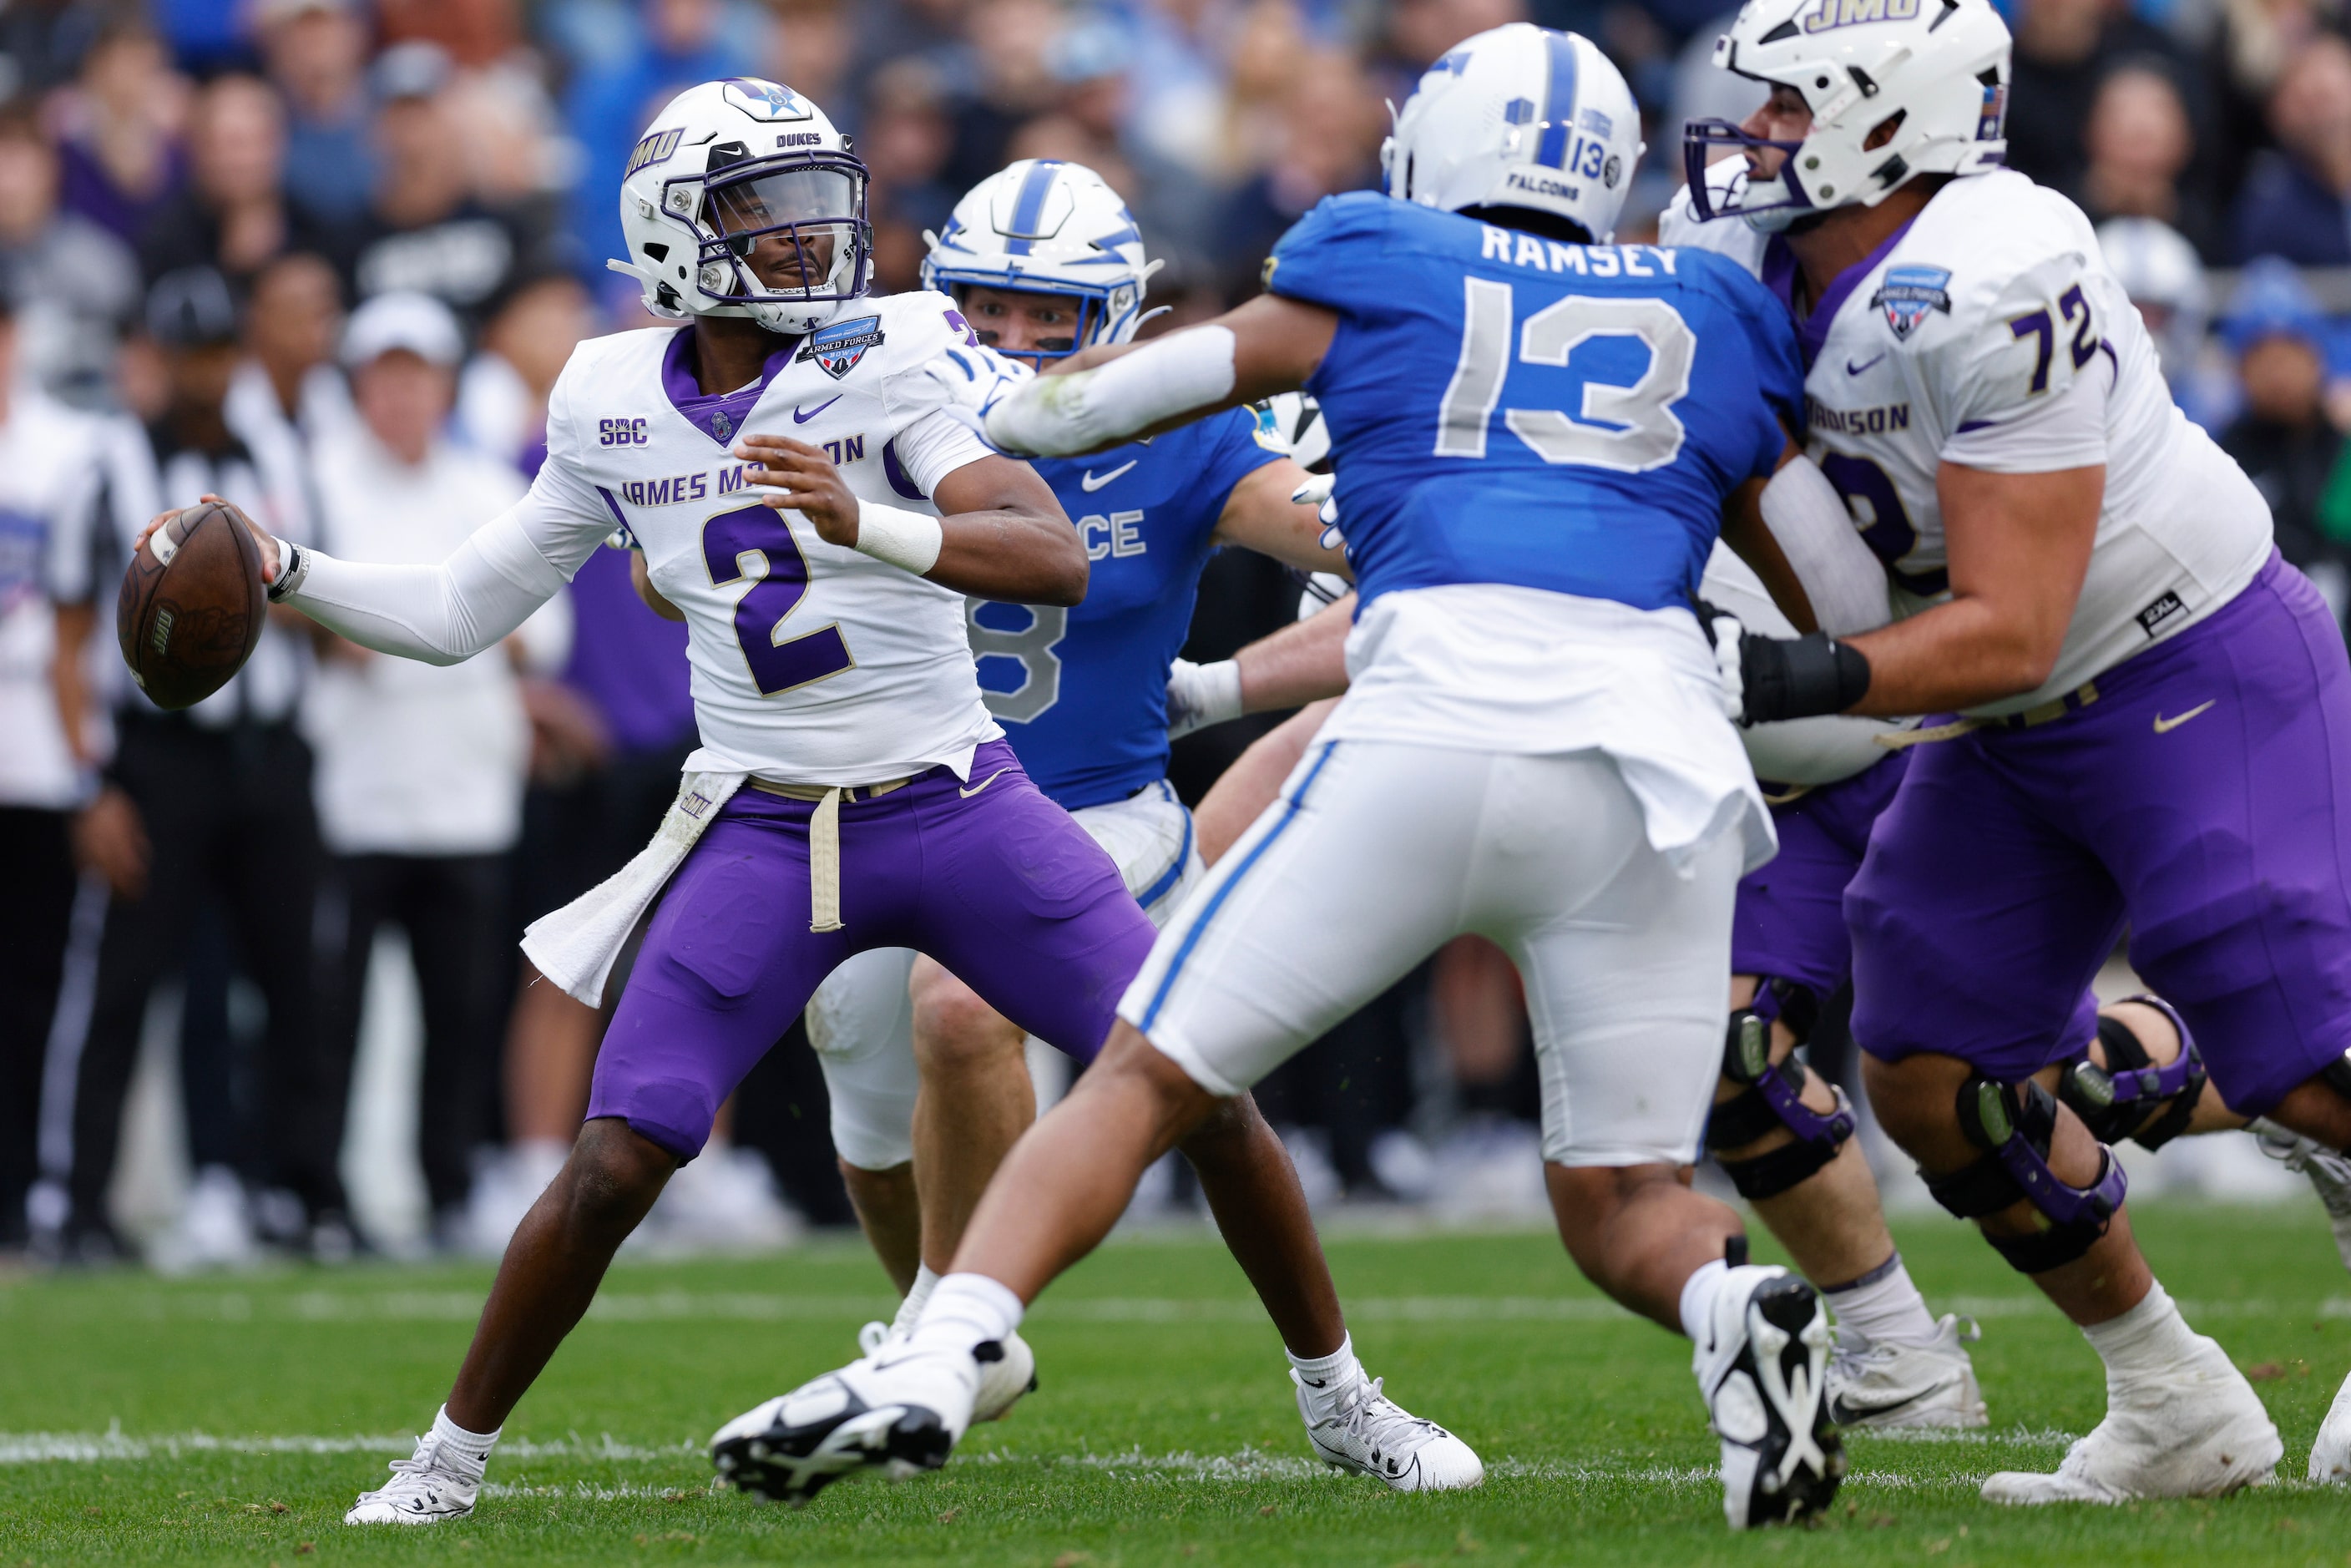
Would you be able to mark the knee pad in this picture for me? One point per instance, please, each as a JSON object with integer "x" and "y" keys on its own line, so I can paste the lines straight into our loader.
{"x": 2013, "y": 1124}
{"x": 1773, "y": 1098}
{"x": 2114, "y": 1098}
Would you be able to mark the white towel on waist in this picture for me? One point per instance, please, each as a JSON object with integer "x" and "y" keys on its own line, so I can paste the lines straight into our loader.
{"x": 576, "y": 946}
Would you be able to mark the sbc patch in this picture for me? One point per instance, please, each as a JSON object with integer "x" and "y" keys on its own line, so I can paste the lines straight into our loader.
{"x": 1909, "y": 293}
{"x": 837, "y": 348}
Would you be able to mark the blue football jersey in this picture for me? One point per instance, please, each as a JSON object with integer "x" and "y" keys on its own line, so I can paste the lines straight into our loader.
{"x": 1083, "y": 692}
{"x": 1505, "y": 409}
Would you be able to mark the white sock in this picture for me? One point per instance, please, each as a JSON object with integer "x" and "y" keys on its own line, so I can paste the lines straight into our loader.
{"x": 966, "y": 1310}
{"x": 1324, "y": 1375}
{"x": 1883, "y": 1307}
{"x": 918, "y": 1295}
{"x": 472, "y": 1447}
{"x": 2151, "y": 1337}
{"x": 1698, "y": 1297}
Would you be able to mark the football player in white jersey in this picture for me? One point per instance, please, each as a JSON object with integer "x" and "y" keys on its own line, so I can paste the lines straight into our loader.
{"x": 2081, "y": 574}
{"x": 785, "y": 463}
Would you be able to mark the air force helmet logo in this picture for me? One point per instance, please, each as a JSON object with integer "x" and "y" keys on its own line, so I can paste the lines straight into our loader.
{"x": 766, "y": 100}
{"x": 1907, "y": 295}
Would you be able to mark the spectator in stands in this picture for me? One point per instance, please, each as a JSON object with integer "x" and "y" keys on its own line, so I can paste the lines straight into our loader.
{"x": 2138, "y": 144}
{"x": 2064, "y": 48}
{"x": 2297, "y": 201}
{"x": 120, "y": 150}
{"x": 906, "y": 149}
{"x": 48, "y": 493}
{"x": 421, "y": 770}
{"x": 424, "y": 231}
{"x": 1331, "y": 127}
{"x": 74, "y": 285}
{"x": 502, "y": 396}
{"x": 1008, "y": 83}
{"x": 2165, "y": 279}
{"x": 232, "y": 215}
{"x": 211, "y": 802}
{"x": 2283, "y": 438}
{"x": 317, "y": 52}
{"x": 289, "y": 388}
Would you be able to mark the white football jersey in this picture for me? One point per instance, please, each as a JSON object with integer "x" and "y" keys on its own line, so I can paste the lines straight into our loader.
{"x": 1990, "y": 333}
{"x": 811, "y": 664}
{"x": 51, "y": 481}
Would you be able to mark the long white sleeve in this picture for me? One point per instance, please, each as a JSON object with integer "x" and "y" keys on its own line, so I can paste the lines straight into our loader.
{"x": 441, "y": 614}
{"x": 1842, "y": 576}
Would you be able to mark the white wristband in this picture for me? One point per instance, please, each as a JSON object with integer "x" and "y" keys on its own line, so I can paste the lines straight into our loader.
{"x": 1063, "y": 416}
{"x": 907, "y": 540}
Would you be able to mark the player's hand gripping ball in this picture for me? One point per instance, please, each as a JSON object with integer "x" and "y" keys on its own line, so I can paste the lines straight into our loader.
{"x": 192, "y": 604}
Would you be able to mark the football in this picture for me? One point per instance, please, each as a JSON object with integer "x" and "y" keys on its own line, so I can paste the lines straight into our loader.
{"x": 191, "y": 605}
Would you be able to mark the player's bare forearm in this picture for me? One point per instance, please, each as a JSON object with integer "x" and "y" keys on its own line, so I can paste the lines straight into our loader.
{"x": 2019, "y": 547}
{"x": 1266, "y": 346}
{"x": 1006, "y": 537}
{"x": 1260, "y": 514}
{"x": 1744, "y": 530}
{"x": 1300, "y": 663}
{"x": 641, "y": 579}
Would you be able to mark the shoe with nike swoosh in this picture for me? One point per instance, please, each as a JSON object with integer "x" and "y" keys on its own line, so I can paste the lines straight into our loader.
{"x": 1357, "y": 1428}
{"x": 1883, "y": 1384}
{"x": 894, "y": 1414}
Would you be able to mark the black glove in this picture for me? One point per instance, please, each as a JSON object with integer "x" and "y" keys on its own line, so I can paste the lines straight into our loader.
{"x": 1765, "y": 679}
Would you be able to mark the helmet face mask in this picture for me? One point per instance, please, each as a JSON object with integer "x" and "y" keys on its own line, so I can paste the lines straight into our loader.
{"x": 1896, "y": 89}
{"x": 1043, "y": 227}
{"x": 744, "y": 201}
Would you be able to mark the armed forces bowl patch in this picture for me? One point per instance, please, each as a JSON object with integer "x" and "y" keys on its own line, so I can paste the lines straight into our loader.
{"x": 837, "y": 348}
{"x": 1909, "y": 293}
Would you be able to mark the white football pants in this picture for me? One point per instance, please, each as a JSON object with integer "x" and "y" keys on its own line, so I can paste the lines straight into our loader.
{"x": 1378, "y": 853}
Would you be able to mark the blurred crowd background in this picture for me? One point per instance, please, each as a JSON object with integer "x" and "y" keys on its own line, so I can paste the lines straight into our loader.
{"x": 259, "y": 989}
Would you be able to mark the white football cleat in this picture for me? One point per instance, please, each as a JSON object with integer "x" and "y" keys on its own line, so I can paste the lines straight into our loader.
{"x": 898, "y": 1411}
{"x": 426, "y": 1488}
{"x": 2330, "y": 1457}
{"x": 1762, "y": 1366}
{"x": 2328, "y": 1172}
{"x": 1001, "y": 1383}
{"x": 2197, "y": 1431}
{"x": 1883, "y": 1384}
{"x": 1363, "y": 1431}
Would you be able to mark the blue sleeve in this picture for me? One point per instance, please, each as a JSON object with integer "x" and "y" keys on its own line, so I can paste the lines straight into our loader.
{"x": 1232, "y": 454}
{"x": 1320, "y": 260}
{"x": 1779, "y": 363}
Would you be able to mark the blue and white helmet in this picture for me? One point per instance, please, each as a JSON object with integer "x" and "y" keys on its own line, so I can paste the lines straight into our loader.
{"x": 724, "y": 165}
{"x": 1518, "y": 117}
{"x": 1043, "y": 227}
{"x": 1937, "y": 71}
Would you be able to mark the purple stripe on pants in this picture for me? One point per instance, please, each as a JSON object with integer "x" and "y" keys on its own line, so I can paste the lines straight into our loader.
{"x": 2201, "y": 799}
{"x": 992, "y": 880}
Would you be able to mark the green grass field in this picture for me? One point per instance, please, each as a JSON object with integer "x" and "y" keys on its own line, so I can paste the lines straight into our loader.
{"x": 232, "y": 1421}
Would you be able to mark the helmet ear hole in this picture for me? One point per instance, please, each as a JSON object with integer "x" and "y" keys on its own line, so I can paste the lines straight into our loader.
{"x": 1884, "y": 131}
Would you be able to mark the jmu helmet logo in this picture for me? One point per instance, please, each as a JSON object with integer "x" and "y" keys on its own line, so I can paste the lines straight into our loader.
{"x": 656, "y": 148}
{"x": 766, "y": 100}
{"x": 1909, "y": 293}
{"x": 1854, "y": 13}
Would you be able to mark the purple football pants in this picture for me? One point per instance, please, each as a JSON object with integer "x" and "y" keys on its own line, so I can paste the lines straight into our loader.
{"x": 991, "y": 879}
{"x": 2201, "y": 800}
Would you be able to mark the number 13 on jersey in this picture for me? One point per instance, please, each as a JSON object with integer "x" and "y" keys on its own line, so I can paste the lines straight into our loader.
{"x": 1628, "y": 429}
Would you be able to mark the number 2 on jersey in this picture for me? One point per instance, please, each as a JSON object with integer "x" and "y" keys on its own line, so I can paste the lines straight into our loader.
{"x": 756, "y": 542}
{"x": 1626, "y": 429}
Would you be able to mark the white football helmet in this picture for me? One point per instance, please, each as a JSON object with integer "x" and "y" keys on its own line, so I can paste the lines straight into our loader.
{"x": 2165, "y": 279}
{"x": 1940, "y": 66}
{"x": 1519, "y": 115}
{"x": 721, "y": 169}
{"x": 1043, "y": 227}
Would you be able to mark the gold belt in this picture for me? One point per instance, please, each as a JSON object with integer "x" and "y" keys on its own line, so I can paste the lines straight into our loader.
{"x": 824, "y": 838}
{"x": 2080, "y": 697}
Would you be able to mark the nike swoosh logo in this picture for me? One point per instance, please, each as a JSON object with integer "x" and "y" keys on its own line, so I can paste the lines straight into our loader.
{"x": 1853, "y": 370}
{"x": 799, "y": 418}
{"x": 1845, "y": 1413}
{"x": 984, "y": 783}
{"x": 1089, "y": 484}
{"x": 2166, "y": 726}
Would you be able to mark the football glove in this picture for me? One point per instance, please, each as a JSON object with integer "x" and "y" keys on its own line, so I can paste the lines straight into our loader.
{"x": 1766, "y": 679}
